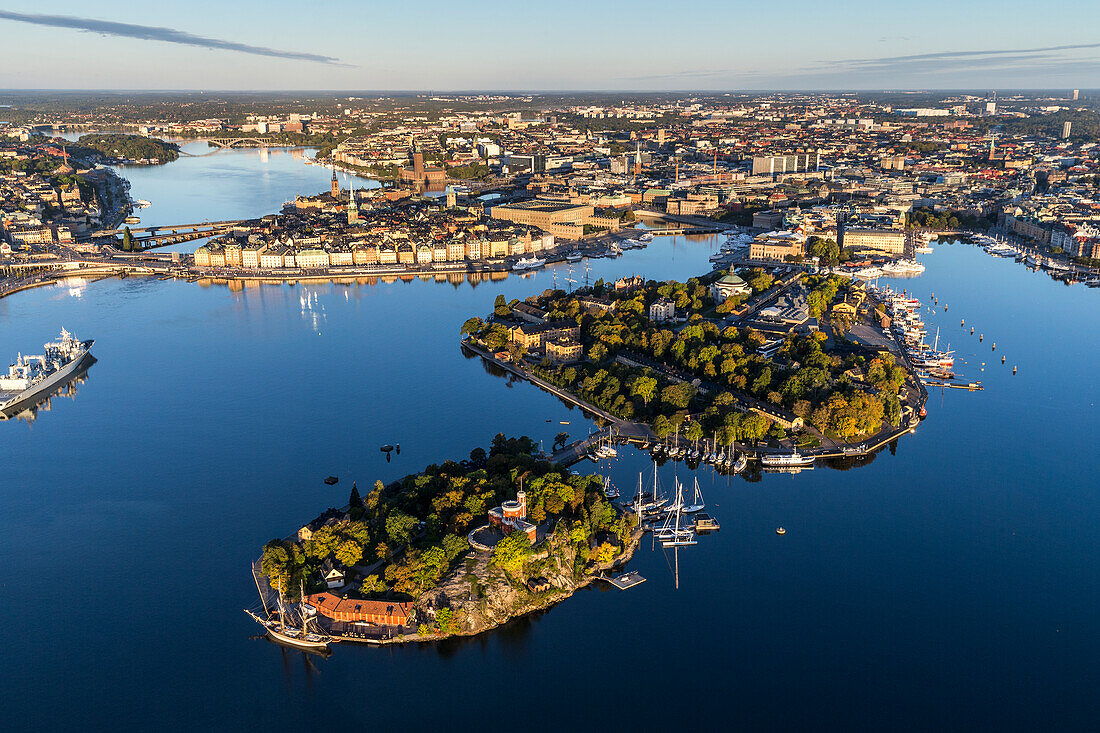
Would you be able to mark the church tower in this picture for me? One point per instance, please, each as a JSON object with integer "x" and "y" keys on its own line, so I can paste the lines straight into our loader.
{"x": 335, "y": 189}
{"x": 353, "y": 207}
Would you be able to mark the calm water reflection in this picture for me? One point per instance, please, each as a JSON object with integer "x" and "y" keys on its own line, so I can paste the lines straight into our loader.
{"x": 951, "y": 579}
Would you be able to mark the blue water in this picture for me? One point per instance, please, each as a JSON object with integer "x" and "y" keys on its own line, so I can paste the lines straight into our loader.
{"x": 950, "y": 585}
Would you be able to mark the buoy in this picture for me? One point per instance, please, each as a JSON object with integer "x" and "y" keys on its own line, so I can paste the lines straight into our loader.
{"x": 962, "y": 322}
{"x": 980, "y": 337}
{"x": 780, "y": 530}
{"x": 398, "y": 449}
{"x": 945, "y": 306}
{"x": 994, "y": 345}
{"x": 971, "y": 330}
{"x": 1013, "y": 369}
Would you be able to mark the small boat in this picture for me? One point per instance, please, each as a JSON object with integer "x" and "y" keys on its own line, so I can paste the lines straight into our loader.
{"x": 780, "y": 530}
{"x": 697, "y": 504}
{"x": 573, "y": 256}
{"x": 609, "y": 489}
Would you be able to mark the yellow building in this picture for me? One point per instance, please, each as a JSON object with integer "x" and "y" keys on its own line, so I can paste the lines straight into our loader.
{"x": 777, "y": 246}
{"x": 888, "y": 241}
{"x": 559, "y": 218}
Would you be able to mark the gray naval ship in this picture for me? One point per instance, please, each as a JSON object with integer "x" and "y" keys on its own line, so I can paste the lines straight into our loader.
{"x": 31, "y": 377}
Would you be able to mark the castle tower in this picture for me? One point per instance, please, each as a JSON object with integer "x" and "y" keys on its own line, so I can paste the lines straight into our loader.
{"x": 334, "y": 189}
{"x": 452, "y": 199}
{"x": 521, "y": 499}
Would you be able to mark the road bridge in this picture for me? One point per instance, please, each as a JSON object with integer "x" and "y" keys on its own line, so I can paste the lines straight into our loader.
{"x": 243, "y": 142}
{"x": 166, "y": 230}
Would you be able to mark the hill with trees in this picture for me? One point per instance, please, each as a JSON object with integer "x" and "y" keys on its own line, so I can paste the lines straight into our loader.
{"x": 408, "y": 541}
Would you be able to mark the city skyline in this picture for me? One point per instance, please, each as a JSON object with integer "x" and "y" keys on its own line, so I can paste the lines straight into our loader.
{"x": 500, "y": 46}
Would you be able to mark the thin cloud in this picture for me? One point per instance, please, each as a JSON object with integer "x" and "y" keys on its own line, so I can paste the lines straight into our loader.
{"x": 165, "y": 35}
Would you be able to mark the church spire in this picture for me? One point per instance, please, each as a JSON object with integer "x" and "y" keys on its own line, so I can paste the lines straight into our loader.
{"x": 335, "y": 189}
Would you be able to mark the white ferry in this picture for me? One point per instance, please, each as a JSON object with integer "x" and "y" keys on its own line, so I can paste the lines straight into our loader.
{"x": 785, "y": 460}
{"x": 528, "y": 263}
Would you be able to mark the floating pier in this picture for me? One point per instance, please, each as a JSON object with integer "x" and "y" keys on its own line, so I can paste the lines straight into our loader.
{"x": 625, "y": 581}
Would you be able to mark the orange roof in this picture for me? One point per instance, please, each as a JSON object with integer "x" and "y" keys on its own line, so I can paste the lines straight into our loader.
{"x": 329, "y": 604}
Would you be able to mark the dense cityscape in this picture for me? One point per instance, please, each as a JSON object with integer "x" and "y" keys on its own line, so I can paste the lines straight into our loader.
{"x": 752, "y": 367}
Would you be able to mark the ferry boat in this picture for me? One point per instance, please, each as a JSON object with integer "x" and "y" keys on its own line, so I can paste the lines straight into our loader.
{"x": 528, "y": 263}
{"x": 784, "y": 460}
{"x": 573, "y": 256}
{"x": 31, "y": 376}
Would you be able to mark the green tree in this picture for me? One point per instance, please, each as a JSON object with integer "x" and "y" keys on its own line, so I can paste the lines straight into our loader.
{"x": 644, "y": 387}
{"x": 694, "y": 431}
{"x": 127, "y": 240}
{"x": 560, "y": 440}
{"x": 400, "y": 527}
{"x": 754, "y": 426}
{"x": 510, "y": 554}
{"x": 473, "y": 325}
{"x": 501, "y": 308}
{"x": 349, "y": 552}
{"x": 355, "y": 501}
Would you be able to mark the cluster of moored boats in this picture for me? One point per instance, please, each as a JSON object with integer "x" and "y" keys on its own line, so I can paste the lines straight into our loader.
{"x": 724, "y": 458}
{"x": 710, "y": 452}
{"x": 895, "y": 268}
{"x": 1003, "y": 248}
{"x": 674, "y": 520}
{"x": 907, "y": 325}
{"x": 736, "y": 244}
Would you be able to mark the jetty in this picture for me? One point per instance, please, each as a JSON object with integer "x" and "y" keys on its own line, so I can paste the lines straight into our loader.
{"x": 626, "y": 581}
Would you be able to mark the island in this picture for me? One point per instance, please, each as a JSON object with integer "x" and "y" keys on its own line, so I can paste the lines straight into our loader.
{"x": 806, "y": 361}
{"x": 457, "y": 549}
{"x": 130, "y": 149}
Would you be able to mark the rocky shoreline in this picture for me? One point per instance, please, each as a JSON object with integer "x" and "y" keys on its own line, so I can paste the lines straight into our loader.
{"x": 505, "y": 600}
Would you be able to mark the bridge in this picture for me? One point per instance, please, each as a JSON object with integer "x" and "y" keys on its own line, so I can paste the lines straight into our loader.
{"x": 148, "y": 237}
{"x": 244, "y": 142}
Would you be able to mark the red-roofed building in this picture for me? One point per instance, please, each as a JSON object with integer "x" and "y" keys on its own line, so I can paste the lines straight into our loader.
{"x": 390, "y": 613}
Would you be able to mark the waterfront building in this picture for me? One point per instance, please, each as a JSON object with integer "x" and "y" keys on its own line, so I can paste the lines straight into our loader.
{"x": 887, "y": 241}
{"x": 777, "y": 246}
{"x": 352, "y": 610}
{"x": 533, "y": 336}
{"x": 250, "y": 255}
{"x": 312, "y": 259}
{"x": 559, "y": 218}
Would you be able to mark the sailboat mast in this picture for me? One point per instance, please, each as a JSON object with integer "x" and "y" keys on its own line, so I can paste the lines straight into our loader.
{"x": 262, "y": 599}
{"x": 302, "y": 604}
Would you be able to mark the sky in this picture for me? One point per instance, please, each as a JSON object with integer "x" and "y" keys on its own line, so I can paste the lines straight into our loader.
{"x": 565, "y": 45}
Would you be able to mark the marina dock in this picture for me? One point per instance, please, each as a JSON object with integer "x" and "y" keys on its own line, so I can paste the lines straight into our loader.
{"x": 626, "y": 581}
